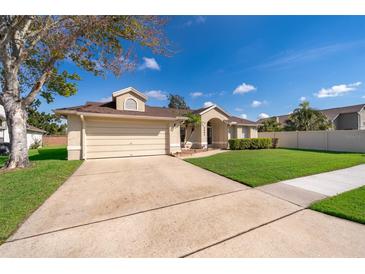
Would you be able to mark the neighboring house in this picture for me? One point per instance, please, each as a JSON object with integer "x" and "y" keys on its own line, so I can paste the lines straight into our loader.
{"x": 33, "y": 134}
{"x": 126, "y": 126}
{"x": 342, "y": 118}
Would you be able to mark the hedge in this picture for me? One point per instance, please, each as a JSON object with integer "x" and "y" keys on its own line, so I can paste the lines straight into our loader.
{"x": 250, "y": 143}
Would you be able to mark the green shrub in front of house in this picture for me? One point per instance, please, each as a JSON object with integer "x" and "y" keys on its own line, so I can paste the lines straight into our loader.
{"x": 250, "y": 143}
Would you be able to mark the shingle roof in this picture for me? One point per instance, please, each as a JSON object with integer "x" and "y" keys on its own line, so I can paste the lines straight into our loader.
{"x": 331, "y": 113}
{"x": 32, "y": 128}
{"x": 241, "y": 121}
{"x": 110, "y": 108}
{"x": 199, "y": 110}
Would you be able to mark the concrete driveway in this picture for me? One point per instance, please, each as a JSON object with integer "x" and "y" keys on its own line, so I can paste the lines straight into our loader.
{"x": 164, "y": 207}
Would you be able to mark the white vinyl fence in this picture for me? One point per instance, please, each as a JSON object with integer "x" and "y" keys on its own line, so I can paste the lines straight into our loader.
{"x": 332, "y": 140}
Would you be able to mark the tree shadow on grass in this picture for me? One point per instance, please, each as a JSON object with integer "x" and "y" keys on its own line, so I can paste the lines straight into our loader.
{"x": 49, "y": 154}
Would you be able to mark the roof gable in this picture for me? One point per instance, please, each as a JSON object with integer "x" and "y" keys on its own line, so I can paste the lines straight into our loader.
{"x": 205, "y": 110}
{"x": 129, "y": 90}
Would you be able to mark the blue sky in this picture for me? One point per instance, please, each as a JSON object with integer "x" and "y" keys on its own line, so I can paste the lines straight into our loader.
{"x": 250, "y": 65}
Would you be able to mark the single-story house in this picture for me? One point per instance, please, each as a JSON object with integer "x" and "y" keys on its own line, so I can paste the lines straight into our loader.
{"x": 342, "y": 118}
{"x": 126, "y": 126}
{"x": 33, "y": 134}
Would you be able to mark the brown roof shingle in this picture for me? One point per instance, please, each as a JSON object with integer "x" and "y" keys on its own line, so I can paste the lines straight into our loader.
{"x": 110, "y": 108}
{"x": 241, "y": 121}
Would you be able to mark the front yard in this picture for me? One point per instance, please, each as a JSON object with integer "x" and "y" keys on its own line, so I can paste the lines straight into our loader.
{"x": 349, "y": 205}
{"x": 260, "y": 167}
{"x": 23, "y": 191}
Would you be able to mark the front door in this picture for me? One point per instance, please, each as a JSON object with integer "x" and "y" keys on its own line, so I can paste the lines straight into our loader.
{"x": 210, "y": 135}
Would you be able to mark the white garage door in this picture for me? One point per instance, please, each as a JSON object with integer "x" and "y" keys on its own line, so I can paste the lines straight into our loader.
{"x": 123, "y": 138}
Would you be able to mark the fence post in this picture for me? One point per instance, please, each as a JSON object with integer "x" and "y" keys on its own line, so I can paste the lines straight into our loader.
{"x": 297, "y": 139}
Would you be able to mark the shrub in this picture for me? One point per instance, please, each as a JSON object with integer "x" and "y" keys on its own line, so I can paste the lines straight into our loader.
{"x": 249, "y": 143}
{"x": 36, "y": 144}
{"x": 234, "y": 144}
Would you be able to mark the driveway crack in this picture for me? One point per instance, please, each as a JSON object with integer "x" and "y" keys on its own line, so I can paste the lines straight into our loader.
{"x": 241, "y": 233}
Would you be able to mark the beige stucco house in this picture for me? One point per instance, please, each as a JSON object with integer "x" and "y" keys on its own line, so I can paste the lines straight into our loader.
{"x": 126, "y": 126}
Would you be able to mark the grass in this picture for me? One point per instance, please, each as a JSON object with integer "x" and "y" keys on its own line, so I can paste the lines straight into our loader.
{"x": 261, "y": 167}
{"x": 23, "y": 191}
{"x": 349, "y": 205}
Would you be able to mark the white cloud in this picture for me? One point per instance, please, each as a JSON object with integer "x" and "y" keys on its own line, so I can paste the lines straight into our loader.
{"x": 363, "y": 96}
{"x": 244, "y": 88}
{"x": 337, "y": 90}
{"x": 156, "y": 94}
{"x": 289, "y": 58}
{"x": 256, "y": 104}
{"x": 244, "y": 116}
{"x": 238, "y": 109}
{"x": 196, "y": 94}
{"x": 200, "y": 19}
{"x": 196, "y": 20}
{"x": 149, "y": 63}
{"x": 208, "y": 104}
{"x": 302, "y": 99}
{"x": 105, "y": 99}
{"x": 263, "y": 115}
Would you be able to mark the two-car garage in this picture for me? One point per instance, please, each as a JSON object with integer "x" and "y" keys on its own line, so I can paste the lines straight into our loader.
{"x": 106, "y": 138}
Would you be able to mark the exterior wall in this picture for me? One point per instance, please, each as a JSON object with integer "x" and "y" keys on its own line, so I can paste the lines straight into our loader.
{"x": 56, "y": 140}
{"x": 74, "y": 135}
{"x": 174, "y": 137}
{"x": 253, "y": 132}
{"x": 243, "y": 132}
{"x": 362, "y": 119}
{"x": 220, "y": 138}
{"x": 74, "y": 138}
{"x": 195, "y": 136}
{"x": 332, "y": 140}
{"x": 233, "y": 132}
{"x": 6, "y": 136}
{"x": 347, "y": 121}
{"x": 121, "y": 99}
{"x": 220, "y": 133}
{"x": 33, "y": 137}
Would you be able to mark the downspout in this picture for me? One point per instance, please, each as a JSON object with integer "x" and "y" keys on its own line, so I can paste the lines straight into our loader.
{"x": 83, "y": 137}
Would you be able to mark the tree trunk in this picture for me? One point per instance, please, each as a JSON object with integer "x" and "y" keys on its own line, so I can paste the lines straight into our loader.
{"x": 16, "y": 117}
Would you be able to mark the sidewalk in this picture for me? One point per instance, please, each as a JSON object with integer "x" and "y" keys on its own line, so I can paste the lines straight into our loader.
{"x": 306, "y": 190}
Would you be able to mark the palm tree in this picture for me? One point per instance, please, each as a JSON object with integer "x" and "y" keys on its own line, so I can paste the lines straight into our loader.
{"x": 305, "y": 118}
{"x": 191, "y": 122}
{"x": 270, "y": 125}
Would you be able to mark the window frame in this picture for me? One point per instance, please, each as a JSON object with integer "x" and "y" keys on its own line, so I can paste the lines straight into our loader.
{"x": 125, "y": 104}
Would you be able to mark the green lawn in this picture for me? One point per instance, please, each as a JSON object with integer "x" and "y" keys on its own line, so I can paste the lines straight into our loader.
{"x": 260, "y": 167}
{"x": 349, "y": 205}
{"x": 23, "y": 191}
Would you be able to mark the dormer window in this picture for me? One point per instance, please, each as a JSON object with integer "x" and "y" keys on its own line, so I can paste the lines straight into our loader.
{"x": 129, "y": 99}
{"x": 130, "y": 104}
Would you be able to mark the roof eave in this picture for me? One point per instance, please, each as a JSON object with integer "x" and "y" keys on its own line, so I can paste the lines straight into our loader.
{"x": 126, "y": 116}
{"x": 215, "y": 106}
{"x": 126, "y": 90}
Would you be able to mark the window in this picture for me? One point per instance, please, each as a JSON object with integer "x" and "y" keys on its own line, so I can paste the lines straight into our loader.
{"x": 130, "y": 104}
